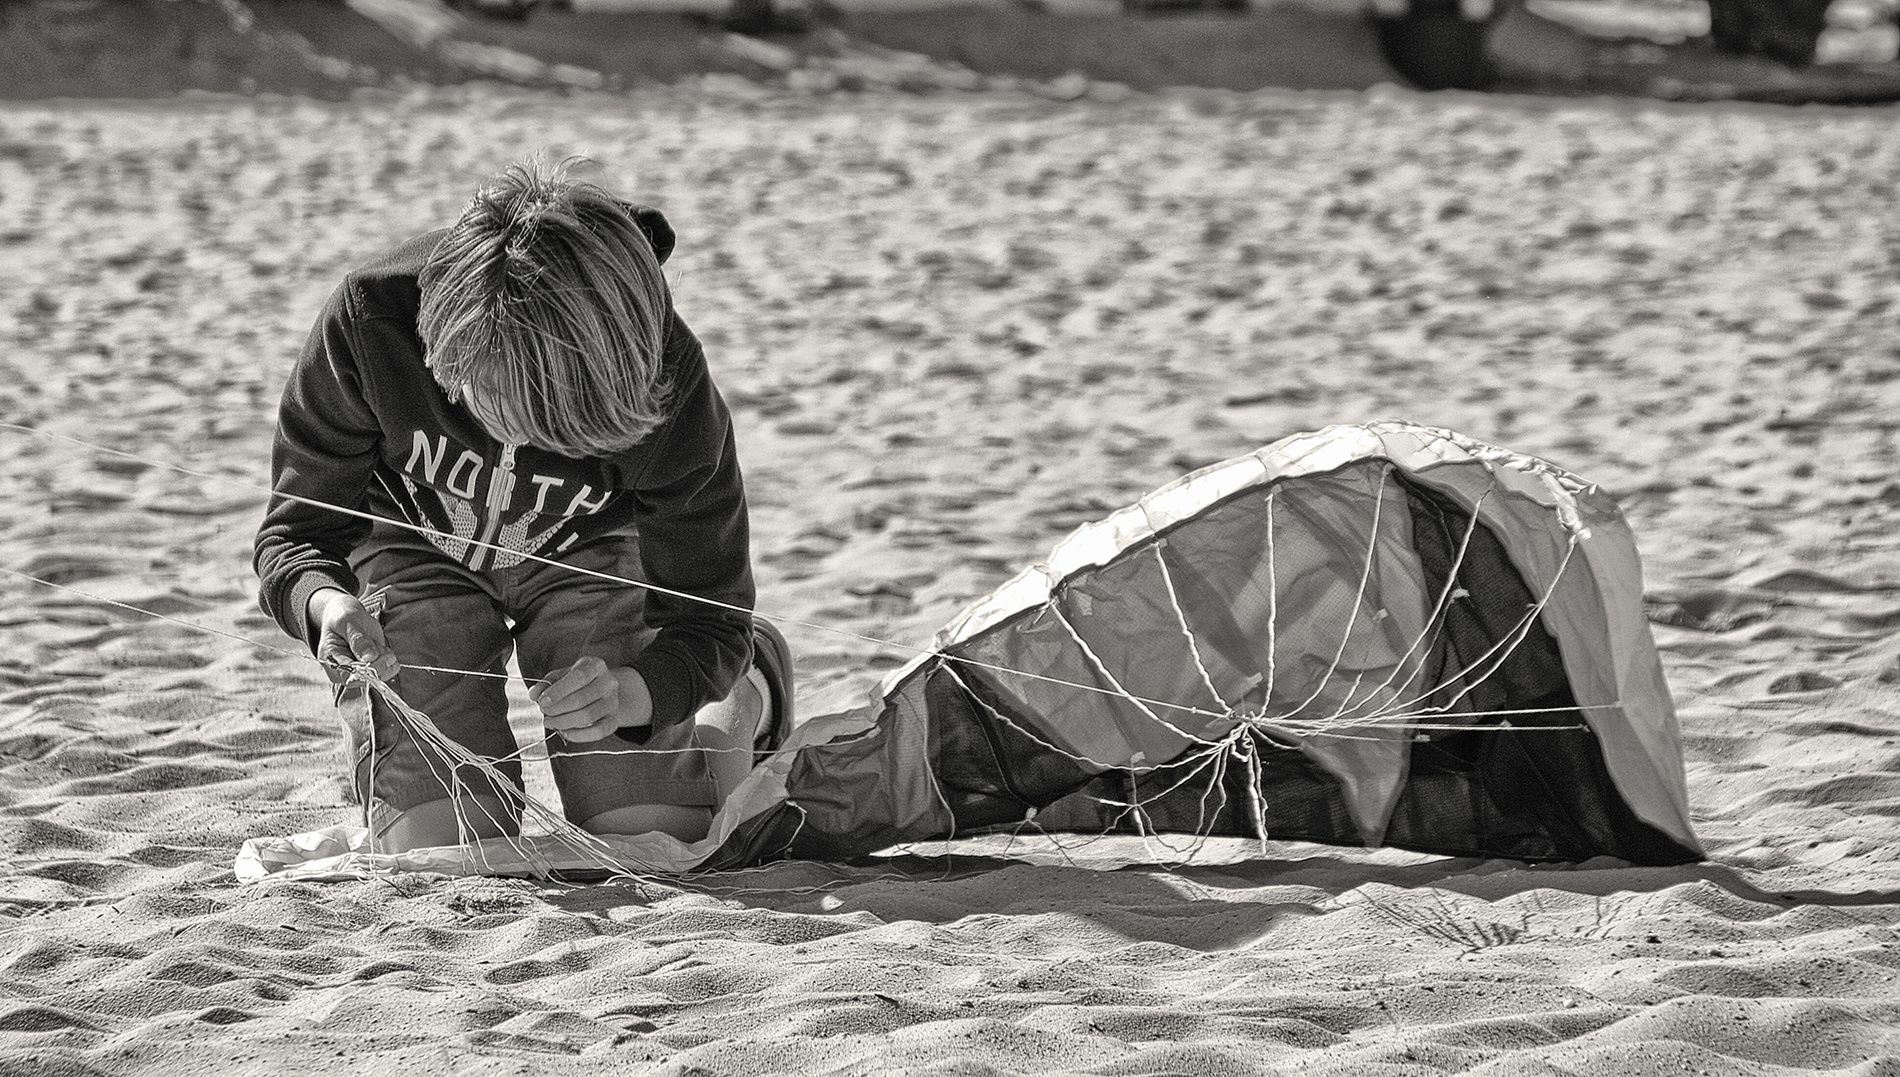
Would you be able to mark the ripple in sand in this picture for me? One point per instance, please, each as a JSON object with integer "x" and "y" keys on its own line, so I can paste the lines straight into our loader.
{"x": 31, "y": 1017}
{"x": 152, "y": 778}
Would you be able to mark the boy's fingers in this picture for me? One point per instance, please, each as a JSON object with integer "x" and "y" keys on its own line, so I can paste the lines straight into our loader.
{"x": 556, "y": 687}
{"x": 588, "y": 733}
{"x": 369, "y": 647}
{"x": 579, "y": 690}
{"x": 336, "y": 649}
{"x": 551, "y": 688}
{"x": 606, "y": 725}
{"x": 361, "y": 645}
{"x": 568, "y": 723}
{"x": 578, "y": 710}
{"x": 372, "y": 631}
{"x": 351, "y": 635}
{"x": 336, "y": 669}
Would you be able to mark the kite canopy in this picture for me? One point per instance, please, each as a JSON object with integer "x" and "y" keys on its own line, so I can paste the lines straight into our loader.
{"x": 1370, "y": 635}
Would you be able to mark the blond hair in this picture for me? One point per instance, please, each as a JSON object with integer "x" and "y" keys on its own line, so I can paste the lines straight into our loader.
{"x": 546, "y": 309}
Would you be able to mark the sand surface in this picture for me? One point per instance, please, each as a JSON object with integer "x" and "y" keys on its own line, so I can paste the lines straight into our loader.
{"x": 952, "y": 327}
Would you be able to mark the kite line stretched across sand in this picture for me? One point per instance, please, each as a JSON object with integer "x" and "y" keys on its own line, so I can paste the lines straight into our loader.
{"x": 428, "y": 531}
{"x": 1345, "y": 631}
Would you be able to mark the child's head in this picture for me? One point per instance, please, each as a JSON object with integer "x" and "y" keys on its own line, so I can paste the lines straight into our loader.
{"x": 545, "y": 310}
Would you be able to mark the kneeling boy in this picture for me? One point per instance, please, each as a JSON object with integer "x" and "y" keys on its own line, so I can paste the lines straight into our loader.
{"x": 519, "y": 384}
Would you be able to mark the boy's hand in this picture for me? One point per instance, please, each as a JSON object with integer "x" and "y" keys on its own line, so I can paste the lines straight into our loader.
{"x": 347, "y": 633}
{"x": 590, "y": 699}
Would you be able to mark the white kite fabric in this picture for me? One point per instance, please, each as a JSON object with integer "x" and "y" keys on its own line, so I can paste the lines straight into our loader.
{"x": 1387, "y": 634}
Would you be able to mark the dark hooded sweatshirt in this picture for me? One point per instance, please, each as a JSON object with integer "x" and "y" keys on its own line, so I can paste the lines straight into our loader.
{"x": 364, "y": 425}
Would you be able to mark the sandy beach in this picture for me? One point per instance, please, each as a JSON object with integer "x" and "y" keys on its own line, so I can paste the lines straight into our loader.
{"x": 953, "y": 326}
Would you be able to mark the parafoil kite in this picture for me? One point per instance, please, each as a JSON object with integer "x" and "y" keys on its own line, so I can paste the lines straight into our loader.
{"x": 1378, "y": 635}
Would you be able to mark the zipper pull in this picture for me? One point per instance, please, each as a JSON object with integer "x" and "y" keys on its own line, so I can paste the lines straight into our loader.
{"x": 501, "y": 487}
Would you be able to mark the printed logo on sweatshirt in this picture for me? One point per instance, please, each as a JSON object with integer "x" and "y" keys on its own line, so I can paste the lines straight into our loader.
{"x": 484, "y": 504}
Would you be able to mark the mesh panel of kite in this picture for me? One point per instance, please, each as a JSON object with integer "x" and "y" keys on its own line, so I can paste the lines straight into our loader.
{"x": 1543, "y": 797}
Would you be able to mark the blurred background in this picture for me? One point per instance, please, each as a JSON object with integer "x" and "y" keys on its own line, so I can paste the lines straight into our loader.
{"x": 1766, "y": 50}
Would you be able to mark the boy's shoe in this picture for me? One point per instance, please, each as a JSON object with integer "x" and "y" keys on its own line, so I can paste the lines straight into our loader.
{"x": 772, "y": 657}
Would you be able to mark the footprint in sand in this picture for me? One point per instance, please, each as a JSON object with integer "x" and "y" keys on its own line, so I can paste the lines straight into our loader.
{"x": 1708, "y": 609}
{"x": 223, "y": 1015}
{"x": 67, "y": 568}
{"x": 1801, "y": 681}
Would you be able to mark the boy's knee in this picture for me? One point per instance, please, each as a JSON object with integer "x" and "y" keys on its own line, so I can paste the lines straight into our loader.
{"x": 683, "y": 822}
{"x": 734, "y": 720}
{"x": 445, "y": 822}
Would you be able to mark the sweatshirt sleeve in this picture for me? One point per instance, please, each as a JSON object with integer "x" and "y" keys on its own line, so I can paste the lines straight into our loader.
{"x": 694, "y": 539}
{"x": 325, "y": 450}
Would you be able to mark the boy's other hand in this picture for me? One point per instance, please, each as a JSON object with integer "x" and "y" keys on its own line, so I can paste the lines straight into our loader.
{"x": 590, "y": 699}
{"x": 347, "y": 633}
